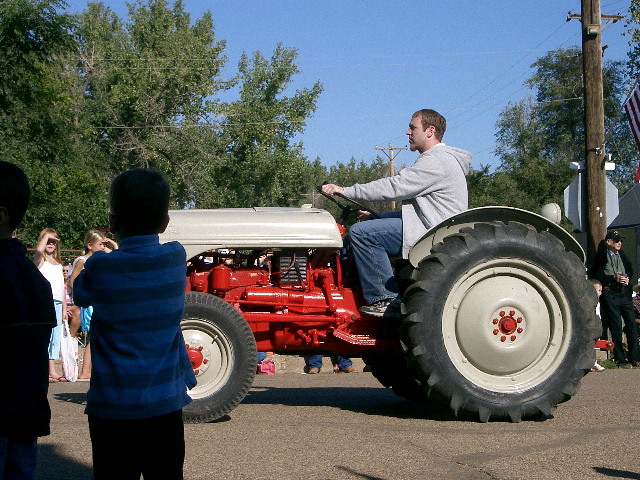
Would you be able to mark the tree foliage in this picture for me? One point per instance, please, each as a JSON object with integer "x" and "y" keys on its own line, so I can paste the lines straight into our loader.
{"x": 83, "y": 98}
{"x": 36, "y": 107}
{"x": 633, "y": 21}
{"x": 263, "y": 165}
{"x": 539, "y": 136}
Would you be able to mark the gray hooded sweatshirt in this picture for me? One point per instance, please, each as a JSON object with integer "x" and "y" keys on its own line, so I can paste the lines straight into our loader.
{"x": 433, "y": 189}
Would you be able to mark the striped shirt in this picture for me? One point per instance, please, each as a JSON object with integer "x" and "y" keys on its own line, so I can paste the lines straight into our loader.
{"x": 140, "y": 367}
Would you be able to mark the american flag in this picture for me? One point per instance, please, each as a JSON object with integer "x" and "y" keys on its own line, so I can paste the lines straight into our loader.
{"x": 632, "y": 109}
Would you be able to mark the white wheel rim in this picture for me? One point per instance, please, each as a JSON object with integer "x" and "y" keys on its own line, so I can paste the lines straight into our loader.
{"x": 506, "y": 325}
{"x": 214, "y": 358}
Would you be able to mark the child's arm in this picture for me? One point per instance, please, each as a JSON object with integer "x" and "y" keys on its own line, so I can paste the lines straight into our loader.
{"x": 64, "y": 310}
{"x": 81, "y": 293}
{"x": 109, "y": 243}
{"x": 76, "y": 271}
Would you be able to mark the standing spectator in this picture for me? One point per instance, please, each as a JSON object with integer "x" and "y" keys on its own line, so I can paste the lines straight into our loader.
{"x": 47, "y": 259}
{"x": 598, "y": 286}
{"x": 141, "y": 370}
{"x": 73, "y": 312}
{"x": 314, "y": 364}
{"x": 636, "y": 305}
{"x": 26, "y": 322}
{"x": 613, "y": 269}
{"x": 94, "y": 241}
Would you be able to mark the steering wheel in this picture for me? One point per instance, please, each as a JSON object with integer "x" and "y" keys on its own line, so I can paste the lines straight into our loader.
{"x": 346, "y": 208}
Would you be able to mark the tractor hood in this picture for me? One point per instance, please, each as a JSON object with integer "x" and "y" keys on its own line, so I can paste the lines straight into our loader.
{"x": 251, "y": 228}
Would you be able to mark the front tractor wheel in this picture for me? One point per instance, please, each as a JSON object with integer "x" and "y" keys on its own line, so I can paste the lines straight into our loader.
{"x": 222, "y": 351}
{"x": 500, "y": 322}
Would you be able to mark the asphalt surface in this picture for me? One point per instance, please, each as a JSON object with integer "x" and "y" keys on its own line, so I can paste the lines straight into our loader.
{"x": 347, "y": 426}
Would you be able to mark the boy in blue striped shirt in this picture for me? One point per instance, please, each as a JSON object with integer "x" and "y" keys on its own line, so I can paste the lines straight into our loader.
{"x": 140, "y": 368}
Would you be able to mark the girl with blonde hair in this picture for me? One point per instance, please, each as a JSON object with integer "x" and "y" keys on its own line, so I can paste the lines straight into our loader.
{"x": 47, "y": 259}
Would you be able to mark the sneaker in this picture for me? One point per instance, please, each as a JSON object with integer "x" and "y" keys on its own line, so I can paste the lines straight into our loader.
{"x": 348, "y": 370}
{"x": 313, "y": 371}
{"x": 624, "y": 365}
{"x": 597, "y": 368}
{"x": 376, "y": 309}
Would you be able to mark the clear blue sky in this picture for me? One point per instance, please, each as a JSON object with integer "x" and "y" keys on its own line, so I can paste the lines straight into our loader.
{"x": 379, "y": 61}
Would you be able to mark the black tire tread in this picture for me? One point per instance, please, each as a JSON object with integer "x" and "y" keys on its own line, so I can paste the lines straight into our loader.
{"x": 494, "y": 239}
{"x": 204, "y": 410}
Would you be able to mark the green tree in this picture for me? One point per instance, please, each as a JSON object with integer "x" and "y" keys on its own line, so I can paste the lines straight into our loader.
{"x": 539, "y": 136}
{"x": 264, "y": 165}
{"x": 85, "y": 97}
{"x": 145, "y": 91}
{"x": 35, "y": 111}
{"x": 633, "y": 21}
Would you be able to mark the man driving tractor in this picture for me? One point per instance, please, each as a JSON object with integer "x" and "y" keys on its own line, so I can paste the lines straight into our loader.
{"x": 431, "y": 190}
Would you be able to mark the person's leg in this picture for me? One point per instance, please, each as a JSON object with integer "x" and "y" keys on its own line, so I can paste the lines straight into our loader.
{"x": 314, "y": 363}
{"x": 85, "y": 374}
{"x": 4, "y": 452}
{"x": 54, "y": 342}
{"x": 372, "y": 242}
{"x": 18, "y": 458}
{"x": 611, "y": 315}
{"x": 116, "y": 448}
{"x": 631, "y": 331}
{"x": 74, "y": 320}
{"x": 163, "y": 455}
{"x": 344, "y": 364}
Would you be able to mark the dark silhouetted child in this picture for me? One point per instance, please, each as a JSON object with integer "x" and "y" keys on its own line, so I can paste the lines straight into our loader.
{"x": 140, "y": 368}
{"x": 26, "y": 320}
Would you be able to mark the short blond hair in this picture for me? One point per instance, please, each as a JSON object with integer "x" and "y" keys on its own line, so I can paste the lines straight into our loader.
{"x": 596, "y": 283}
{"x": 92, "y": 236}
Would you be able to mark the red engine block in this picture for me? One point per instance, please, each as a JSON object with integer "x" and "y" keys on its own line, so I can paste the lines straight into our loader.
{"x": 306, "y": 311}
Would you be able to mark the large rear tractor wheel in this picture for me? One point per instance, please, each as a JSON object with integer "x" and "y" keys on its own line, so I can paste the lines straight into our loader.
{"x": 222, "y": 350}
{"x": 500, "y": 322}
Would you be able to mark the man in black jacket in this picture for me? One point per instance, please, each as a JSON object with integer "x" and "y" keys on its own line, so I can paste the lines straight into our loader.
{"x": 613, "y": 269}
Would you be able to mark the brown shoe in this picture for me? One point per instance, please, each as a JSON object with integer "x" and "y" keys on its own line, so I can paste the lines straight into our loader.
{"x": 349, "y": 370}
{"x": 313, "y": 371}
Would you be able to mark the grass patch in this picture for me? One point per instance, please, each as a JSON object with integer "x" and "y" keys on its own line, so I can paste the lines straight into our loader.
{"x": 608, "y": 364}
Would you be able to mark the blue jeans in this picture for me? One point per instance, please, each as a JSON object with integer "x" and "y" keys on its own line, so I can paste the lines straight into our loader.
{"x": 372, "y": 242}
{"x": 18, "y": 458}
{"x": 315, "y": 361}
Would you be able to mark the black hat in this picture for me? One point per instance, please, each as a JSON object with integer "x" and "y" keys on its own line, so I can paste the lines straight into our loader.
{"x": 613, "y": 235}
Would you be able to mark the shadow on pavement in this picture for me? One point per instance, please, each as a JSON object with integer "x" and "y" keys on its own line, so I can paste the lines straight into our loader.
{"x": 53, "y": 465}
{"x": 612, "y": 472}
{"x": 77, "y": 398}
{"x": 357, "y": 474}
{"x": 370, "y": 401}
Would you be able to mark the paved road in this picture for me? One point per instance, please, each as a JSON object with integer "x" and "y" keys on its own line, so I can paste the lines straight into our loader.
{"x": 328, "y": 426}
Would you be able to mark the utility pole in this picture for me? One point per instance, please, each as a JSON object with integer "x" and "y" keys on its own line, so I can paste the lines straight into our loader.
{"x": 392, "y": 169}
{"x": 595, "y": 154}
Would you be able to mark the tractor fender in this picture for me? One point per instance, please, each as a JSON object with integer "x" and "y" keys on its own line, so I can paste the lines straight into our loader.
{"x": 422, "y": 248}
